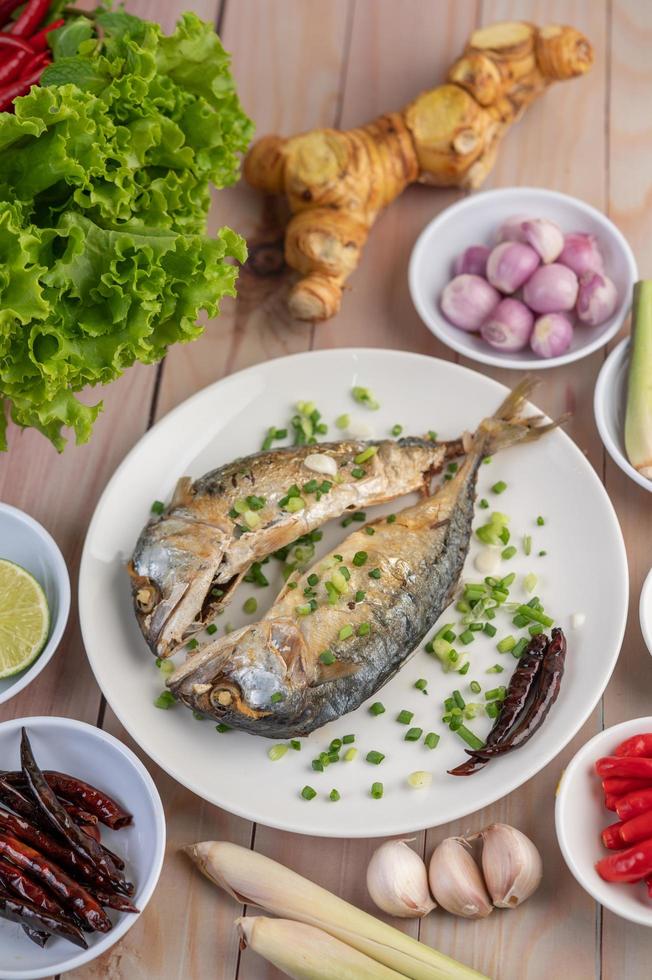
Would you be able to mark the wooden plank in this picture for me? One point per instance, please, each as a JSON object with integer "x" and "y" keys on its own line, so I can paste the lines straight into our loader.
{"x": 624, "y": 945}
{"x": 548, "y": 147}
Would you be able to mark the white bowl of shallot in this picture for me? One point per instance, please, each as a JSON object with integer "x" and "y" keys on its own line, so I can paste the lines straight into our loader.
{"x": 522, "y": 277}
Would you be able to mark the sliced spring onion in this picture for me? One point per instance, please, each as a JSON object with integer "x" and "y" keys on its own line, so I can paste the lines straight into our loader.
{"x": 375, "y": 758}
{"x": 365, "y": 455}
{"x": 405, "y": 717}
{"x": 530, "y": 582}
{"x": 334, "y": 796}
{"x": 471, "y": 740}
{"x": 165, "y": 700}
{"x": 520, "y": 647}
{"x": 158, "y": 507}
{"x": 364, "y": 396}
{"x": 421, "y": 684}
{"x": 277, "y": 752}
{"x": 489, "y": 629}
{"x": 350, "y": 754}
{"x": 396, "y": 430}
{"x": 413, "y": 734}
{"x": 308, "y": 793}
{"x": 377, "y": 708}
{"x": 277, "y": 697}
{"x": 364, "y": 629}
{"x": 499, "y": 487}
{"x": 343, "y": 421}
{"x": 508, "y": 553}
{"x": 377, "y": 790}
{"x": 496, "y": 669}
{"x": 295, "y": 744}
{"x": 535, "y": 615}
{"x": 375, "y": 573}
{"x": 540, "y": 521}
{"x": 221, "y": 728}
{"x": 345, "y": 632}
{"x": 475, "y": 687}
{"x": 250, "y": 605}
{"x": 347, "y": 739}
{"x": 327, "y": 657}
{"x": 295, "y": 504}
{"x": 359, "y": 558}
{"x": 431, "y": 740}
{"x": 506, "y": 644}
{"x": 419, "y": 779}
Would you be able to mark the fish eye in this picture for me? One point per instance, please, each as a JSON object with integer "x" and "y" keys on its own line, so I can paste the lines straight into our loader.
{"x": 147, "y": 594}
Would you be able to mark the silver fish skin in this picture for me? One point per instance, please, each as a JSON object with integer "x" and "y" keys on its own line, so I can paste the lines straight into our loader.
{"x": 188, "y": 561}
{"x": 270, "y": 679}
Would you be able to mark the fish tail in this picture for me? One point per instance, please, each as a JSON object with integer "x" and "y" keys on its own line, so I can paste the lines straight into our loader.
{"x": 507, "y": 428}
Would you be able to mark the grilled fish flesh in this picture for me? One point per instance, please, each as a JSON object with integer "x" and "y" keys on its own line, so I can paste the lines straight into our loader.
{"x": 323, "y": 648}
{"x": 188, "y": 561}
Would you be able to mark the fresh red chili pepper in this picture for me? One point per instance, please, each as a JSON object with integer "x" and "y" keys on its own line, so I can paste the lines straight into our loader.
{"x": 611, "y": 803}
{"x": 637, "y": 829}
{"x": 634, "y": 803}
{"x": 20, "y": 86}
{"x": 39, "y": 41}
{"x": 637, "y": 745}
{"x": 20, "y": 910}
{"x": 618, "y": 786}
{"x": 7, "y": 8}
{"x": 71, "y": 894}
{"x": 30, "y": 18}
{"x": 46, "y": 798}
{"x": 15, "y": 43}
{"x": 624, "y": 766}
{"x": 611, "y": 837}
{"x": 36, "y": 60}
{"x": 648, "y": 882}
{"x": 633, "y": 864}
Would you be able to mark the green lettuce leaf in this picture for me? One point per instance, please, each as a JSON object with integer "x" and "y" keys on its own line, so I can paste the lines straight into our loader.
{"x": 105, "y": 174}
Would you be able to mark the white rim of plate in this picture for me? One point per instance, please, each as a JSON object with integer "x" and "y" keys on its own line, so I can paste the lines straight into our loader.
{"x": 63, "y": 586}
{"x": 383, "y": 831}
{"x": 151, "y": 881}
{"x": 532, "y": 363}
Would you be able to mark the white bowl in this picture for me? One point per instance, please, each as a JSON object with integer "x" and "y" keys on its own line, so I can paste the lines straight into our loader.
{"x": 645, "y": 611}
{"x": 475, "y": 220}
{"x": 99, "y": 758}
{"x": 24, "y": 541}
{"x": 609, "y": 403}
{"x": 580, "y": 816}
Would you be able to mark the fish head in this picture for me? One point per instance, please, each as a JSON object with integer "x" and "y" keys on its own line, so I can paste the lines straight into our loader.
{"x": 255, "y": 677}
{"x": 172, "y": 571}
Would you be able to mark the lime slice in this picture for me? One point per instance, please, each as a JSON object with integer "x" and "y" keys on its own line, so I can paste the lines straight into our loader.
{"x": 24, "y": 619}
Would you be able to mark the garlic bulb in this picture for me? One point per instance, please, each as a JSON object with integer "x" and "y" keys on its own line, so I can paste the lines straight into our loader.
{"x": 456, "y": 882}
{"x": 397, "y": 881}
{"x": 511, "y": 865}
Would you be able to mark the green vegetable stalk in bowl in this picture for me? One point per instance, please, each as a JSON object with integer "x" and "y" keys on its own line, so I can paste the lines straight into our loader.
{"x": 105, "y": 171}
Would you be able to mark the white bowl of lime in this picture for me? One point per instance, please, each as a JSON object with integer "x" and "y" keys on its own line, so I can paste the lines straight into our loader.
{"x": 34, "y": 599}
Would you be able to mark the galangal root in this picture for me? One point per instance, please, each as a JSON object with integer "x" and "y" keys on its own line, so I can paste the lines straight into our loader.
{"x": 337, "y": 182}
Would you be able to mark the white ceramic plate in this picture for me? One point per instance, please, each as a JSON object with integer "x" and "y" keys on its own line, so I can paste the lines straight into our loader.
{"x": 475, "y": 221}
{"x": 609, "y": 404}
{"x": 645, "y": 611}
{"x": 25, "y": 542}
{"x": 88, "y": 752}
{"x": 232, "y": 770}
{"x": 580, "y": 816}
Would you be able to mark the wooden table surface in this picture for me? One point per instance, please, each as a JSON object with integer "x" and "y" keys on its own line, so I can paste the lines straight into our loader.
{"x": 299, "y": 64}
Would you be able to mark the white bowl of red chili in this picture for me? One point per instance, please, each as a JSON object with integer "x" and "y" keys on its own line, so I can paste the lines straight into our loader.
{"x": 90, "y": 754}
{"x": 581, "y": 816}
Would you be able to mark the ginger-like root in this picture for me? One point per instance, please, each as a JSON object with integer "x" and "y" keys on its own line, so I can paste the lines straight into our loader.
{"x": 337, "y": 182}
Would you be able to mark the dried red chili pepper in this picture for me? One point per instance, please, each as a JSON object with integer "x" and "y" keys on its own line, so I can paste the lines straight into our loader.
{"x": 36, "y": 935}
{"x": 106, "y": 809}
{"x": 30, "y": 18}
{"x": 519, "y": 690}
{"x": 119, "y": 902}
{"x": 632, "y": 804}
{"x": 15, "y": 880}
{"x": 637, "y": 745}
{"x": 19, "y": 910}
{"x": 71, "y": 893}
{"x": 52, "y": 809}
{"x": 627, "y": 766}
{"x": 634, "y": 864}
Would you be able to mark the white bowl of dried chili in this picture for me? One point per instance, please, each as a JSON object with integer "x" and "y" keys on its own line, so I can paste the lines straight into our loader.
{"x": 581, "y": 816}
{"x": 90, "y": 754}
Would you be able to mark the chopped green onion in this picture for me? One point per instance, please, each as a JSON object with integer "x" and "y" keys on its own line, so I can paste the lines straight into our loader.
{"x": 484, "y": 503}
{"x": 506, "y": 644}
{"x": 359, "y": 558}
{"x": 308, "y": 793}
{"x": 405, "y": 717}
{"x": 370, "y": 530}
{"x": 364, "y": 629}
{"x": 343, "y": 421}
{"x": 530, "y": 582}
{"x": 493, "y": 709}
{"x": 542, "y": 554}
{"x": 467, "y": 637}
{"x": 540, "y": 521}
{"x": 391, "y": 518}
{"x": 165, "y": 700}
{"x": 192, "y": 644}
{"x": 499, "y": 487}
{"x": 487, "y": 460}
{"x": 489, "y": 629}
{"x": 359, "y": 596}
{"x": 364, "y": 396}
{"x": 377, "y": 790}
{"x": 166, "y": 666}
{"x": 334, "y": 795}
{"x": 535, "y": 615}
{"x": 158, "y": 507}
{"x": 471, "y": 740}
{"x": 431, "y": 740}
{"x": 475, "y": 687}
{"x": 377, "y": 708}
{"x": 527, "y": 544}
{"x": 317, "y": 765}
{"x": 250, "y": 605}
{"x": 221, "y": 728}
{"x": 350, "y": 754}
{"x": 276, "y": 697}
{"x": 520, "y": 621}
{"x": 375, "y": 573}
{"x": 345, "y": 632}
{"x": 449, "y": 636}
{"x": 413, "y": 734}
{"x": 358, "y": 473}
{"x": 277, "y": 752}
{"x": 294, "y": 505}
{"x": 396, "y": 430}
{"x": 359, "y": 516}
{"x": 458, "y": 699}
{"x": 347, "y": 739}
{"x": 496, "y": 669}
{"x": 496, "y": 693}
{"x": 535, "y": 629}
{"x": 432, "y": 435}
{"x": 335, "y": 745}
{"x": 520, "y": 647}
{"x": 295, "y": 744}
{"x": 375, "y": 758}
{"x": 421, "y": 684}
{"x": 508, "y": 553}
{"x": 365, "y": 454}
{"x": 327, "y": 657}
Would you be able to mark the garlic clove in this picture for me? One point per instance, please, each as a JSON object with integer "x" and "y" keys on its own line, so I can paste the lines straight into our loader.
{"x": 398, "y": 882}
{"x": 456, "y": 882}
{"x": 321, "y": 463}
{"x": 511, "y": 865}
{"x": 545, "y": 237}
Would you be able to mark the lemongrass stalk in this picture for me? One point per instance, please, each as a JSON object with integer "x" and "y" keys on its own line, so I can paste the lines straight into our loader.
{"x": 257, "y": 880}
{"x": 306, "y": 953}
{"x": 638, "y": 416}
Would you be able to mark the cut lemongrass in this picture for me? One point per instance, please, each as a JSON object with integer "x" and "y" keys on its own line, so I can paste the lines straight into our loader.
{"x": 467, "y": 735}
{"x": 419, "y": 779}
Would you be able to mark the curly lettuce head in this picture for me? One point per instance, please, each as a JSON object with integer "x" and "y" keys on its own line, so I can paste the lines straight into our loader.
{"x": 105, "y": 174}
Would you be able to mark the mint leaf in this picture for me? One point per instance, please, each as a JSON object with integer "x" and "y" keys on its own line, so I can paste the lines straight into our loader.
{"x": 65, "y": 40}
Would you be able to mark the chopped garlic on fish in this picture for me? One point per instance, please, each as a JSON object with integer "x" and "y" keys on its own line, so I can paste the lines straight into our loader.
{"x": 321, "y": 463}
{"x": 487, "y": 561}
{"x": 577, "y": 621}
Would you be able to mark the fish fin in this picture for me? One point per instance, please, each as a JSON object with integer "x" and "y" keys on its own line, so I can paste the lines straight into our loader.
{"x": 181, "y": 492}
{"x": 334, "y": 672}
{"x": 505, "y": 428}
